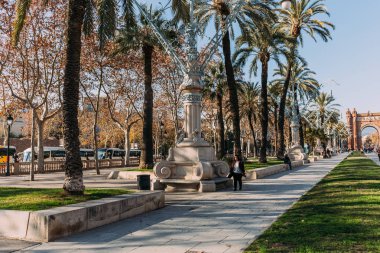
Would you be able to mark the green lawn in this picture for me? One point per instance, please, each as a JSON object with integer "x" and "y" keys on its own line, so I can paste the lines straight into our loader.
{"x": 39, "y": 199}
{"x": 255, "y": 164}
{"x": 340, "y": 214}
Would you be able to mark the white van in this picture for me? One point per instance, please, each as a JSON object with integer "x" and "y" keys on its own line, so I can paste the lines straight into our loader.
{"x": 110, "y": 153}
{"x": 56, "y": 154}
{"x": 50, "y": 154}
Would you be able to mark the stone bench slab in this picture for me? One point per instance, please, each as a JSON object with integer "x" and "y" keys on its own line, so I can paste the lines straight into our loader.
{"x": 271, "y": 170}
{"x": 51, "y": 224}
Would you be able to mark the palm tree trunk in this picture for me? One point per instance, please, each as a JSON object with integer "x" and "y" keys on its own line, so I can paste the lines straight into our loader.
{"x": 146, "y": 160}
{"x": 233, "y": 96}
{"x": 302, "y": 137}
{"x": 300, "y": 129}
{"x": 290, "y": 139}
{"x": 73, "y": 183}
{"x": 264, "y": 110}
{"x": 275, "y": 127}
{"x": 253, "y": 132}
{"x": 221, "y": 149}
{"x": 281, "y": 113}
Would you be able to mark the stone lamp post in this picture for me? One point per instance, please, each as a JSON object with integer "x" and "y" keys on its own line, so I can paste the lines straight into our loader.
{"x": 296, "y": 151}
{"x": 192, "y": 164}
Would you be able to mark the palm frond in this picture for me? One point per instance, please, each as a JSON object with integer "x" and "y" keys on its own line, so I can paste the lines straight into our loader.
{"x": 22, "y": 7}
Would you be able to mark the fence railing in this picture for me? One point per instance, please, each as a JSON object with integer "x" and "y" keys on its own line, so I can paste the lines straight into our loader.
{"x": 23, "y": 168}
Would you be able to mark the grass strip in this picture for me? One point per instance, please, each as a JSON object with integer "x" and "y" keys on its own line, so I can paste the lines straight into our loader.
{"x": 32, "y": 199}
{"x": 340, "y": 214}
{"x": 255, "y": 164}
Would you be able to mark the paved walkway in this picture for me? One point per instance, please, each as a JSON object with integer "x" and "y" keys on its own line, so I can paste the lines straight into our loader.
{"x": 223, "y": 221}
{"x": 374, "y": 157}
{"x": 55, "y": 180}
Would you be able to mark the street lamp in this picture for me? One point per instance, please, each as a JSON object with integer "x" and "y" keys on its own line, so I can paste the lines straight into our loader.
{"x": 9, "y": 123}
{"x": 286, "y": 4}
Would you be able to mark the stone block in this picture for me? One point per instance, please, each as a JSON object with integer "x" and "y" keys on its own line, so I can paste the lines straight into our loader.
{"x": 55, "y": 223}
{"x": 13, "y": 224}
{"x": 250, "y": 175}
{"x": 127, "y": 204}
{"x": 271, "y": 170}
{"x": 133, "y": 212}
{"x": 51, "y": 224}
{"x": 132, "y": 175}
{"x": 156, "y": 185}
{"x": 296, "y": 164}
{"x": 207, "y": 186}
{"x": 113, "y": 174}
{"x": 103, "y": 212}
{"x": 154, "y": 201}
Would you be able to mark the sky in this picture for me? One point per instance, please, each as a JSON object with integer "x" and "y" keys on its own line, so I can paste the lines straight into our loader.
{"x": 348, "y": 66}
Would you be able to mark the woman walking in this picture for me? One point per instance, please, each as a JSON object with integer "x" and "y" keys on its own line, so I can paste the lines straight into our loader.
{"x": 237, "y": 168}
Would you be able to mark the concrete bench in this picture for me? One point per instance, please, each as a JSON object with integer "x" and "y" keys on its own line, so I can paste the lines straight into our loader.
{"x": 129, "y": 175}
{"x": 51, "y": 224}
{"x": 271, "y": 170}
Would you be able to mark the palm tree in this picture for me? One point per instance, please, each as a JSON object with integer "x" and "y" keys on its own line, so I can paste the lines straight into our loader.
{"x": 78, "y": 10}
{"x": 250, "y": 95}
{"x": 304, "y": 86}
{"x": 214, "y": 88}
{"x": 300, "y": 18}
{"x": 327, "y": 112}
{"x": 262, "y": 46}
{"x": 219, "y": 11}
{"x": 140, "y": 36}
{"x": 325, "y": 106}
{"x": 274, "y": 91}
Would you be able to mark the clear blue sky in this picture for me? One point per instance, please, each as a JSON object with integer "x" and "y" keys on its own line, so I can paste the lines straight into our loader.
{"x": 352, "y": 58}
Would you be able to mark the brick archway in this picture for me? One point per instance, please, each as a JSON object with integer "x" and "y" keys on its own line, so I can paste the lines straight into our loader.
{"x": 356, "y": 123}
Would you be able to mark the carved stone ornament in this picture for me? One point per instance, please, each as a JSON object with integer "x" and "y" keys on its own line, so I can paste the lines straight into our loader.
{"x": 192, "y": 98}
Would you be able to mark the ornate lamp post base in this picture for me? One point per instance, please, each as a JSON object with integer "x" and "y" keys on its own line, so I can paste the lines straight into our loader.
{"x": 191, "y": 164}
{"x": 191, "y": 168}
{"x": 297, "y": 153}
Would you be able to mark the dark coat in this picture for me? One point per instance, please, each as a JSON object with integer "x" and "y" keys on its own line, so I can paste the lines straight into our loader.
{"x": 287, "y": 160}
{"x": 241, "y": 166}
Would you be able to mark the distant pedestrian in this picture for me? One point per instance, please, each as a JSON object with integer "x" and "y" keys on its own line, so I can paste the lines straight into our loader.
{"x": 238, "y": 171}
{"x": 288, "y": 161}
{"x": 15, "y": 158}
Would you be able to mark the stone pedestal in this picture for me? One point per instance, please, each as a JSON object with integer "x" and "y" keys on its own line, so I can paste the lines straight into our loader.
{"x": 191, "y": 164}
{"x": 191, "y": 169}
{"x": 296, "y": 153}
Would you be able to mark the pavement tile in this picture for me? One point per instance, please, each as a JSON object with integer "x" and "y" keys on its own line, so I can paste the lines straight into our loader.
{"x": 220, "y": 222}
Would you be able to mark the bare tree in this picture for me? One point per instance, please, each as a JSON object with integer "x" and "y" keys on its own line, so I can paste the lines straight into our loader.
{"x": 125, "y": 100}
{"x": 34, "y": 75}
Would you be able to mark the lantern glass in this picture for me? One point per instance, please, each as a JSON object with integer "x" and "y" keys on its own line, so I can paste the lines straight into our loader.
{"x": 286, "y": 4}
{"x": 9, "y": 120}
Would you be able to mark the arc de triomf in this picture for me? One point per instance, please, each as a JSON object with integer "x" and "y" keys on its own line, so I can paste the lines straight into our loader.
{"x": 356, "y": 123}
